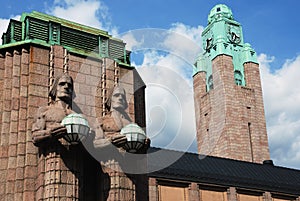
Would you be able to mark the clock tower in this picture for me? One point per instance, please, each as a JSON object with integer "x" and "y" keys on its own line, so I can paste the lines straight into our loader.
{"x": 230, "y": 118}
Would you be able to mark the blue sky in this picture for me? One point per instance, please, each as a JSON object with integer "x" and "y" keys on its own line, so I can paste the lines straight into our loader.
{"x": 271, "y": 27}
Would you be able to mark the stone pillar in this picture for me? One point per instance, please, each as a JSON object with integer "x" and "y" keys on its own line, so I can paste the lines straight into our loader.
{"x": 199, "y": 84}
{"x": 267, "y": 196}
{"x": 59, "y": 164}
{"x": 119, "y": 181}
{"x": 117, "y": 185}
{"x": 231, "y": 194}
{"x": 3, "y": 147}
{"x": 194, "y": 192}
{"x": 18, "y": 155}
{"x": 11, "y": 138}
{"x": 153, "y": 190}
{"x": 259, "y": 130}
{"x": 62, "y": 173}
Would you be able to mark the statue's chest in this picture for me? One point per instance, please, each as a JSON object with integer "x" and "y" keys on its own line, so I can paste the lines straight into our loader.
{"x": 55, "y": 115}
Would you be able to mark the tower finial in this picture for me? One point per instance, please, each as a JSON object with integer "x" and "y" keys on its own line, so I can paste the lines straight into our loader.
{"x": 219, "y": 11}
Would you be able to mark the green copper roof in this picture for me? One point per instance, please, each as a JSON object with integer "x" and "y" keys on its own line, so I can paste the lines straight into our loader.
{"x": 39, "y": 28}
{"x": 219, "y": 11}
{"x": 224, "y": 36}
{"x": 63, "y": 22}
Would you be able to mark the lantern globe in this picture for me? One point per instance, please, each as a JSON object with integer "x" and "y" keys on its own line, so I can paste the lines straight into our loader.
{"x": 77, "y": 128}
{"x": 135, "y": 137}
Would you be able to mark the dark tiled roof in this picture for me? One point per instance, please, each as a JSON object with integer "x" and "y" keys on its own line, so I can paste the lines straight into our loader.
{"x": 182, "y": 166}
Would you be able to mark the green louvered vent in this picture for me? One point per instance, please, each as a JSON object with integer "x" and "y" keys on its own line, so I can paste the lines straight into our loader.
{"x": 17, "y": 31}
{"x": 38, "y": 29}
{"x": 79, "y": 40}
{"x": 116, "y": 49}
{"x": 48, "y": 30}
{"x": 13, "y": 33}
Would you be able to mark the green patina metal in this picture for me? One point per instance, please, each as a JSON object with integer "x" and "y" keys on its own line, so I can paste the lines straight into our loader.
{"x": 223, "y": 36}
{"x": 14, "y": 32}
{"x": 42, "y": 29}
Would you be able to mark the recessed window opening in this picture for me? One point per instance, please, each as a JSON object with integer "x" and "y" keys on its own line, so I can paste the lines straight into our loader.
{"x": 210, "y": 82}
{"x": 238, "y": 77}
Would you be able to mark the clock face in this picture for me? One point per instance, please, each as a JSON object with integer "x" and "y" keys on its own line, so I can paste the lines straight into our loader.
{"x": 234, "y": 34}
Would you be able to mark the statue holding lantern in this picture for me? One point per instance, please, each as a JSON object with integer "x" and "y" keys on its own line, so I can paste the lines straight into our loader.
{"x": 116, "y": 133}
{"x": 58, "y": 120}
{"x": 121, "y": 145}
{"x": 117, "y": 128}
{"x": 47, "y": 125}
{"x": 52, "y": 123}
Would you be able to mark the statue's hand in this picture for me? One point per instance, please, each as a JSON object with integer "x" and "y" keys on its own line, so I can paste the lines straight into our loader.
{"x": 145, "y": 146}
{"x": 147, "y": 143}
{"x": 58, "y": 131}
{"x": 40, "y": 137}
{"x": 118, "y": 140}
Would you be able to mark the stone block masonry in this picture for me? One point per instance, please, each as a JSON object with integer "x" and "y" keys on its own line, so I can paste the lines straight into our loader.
{"x": 26, "y": 75}
{"x": 230, "y": 118}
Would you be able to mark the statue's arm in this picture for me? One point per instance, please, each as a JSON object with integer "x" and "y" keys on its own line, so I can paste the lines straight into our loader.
{"x": 102, "y": 141}
{"x": 39, "y": 131}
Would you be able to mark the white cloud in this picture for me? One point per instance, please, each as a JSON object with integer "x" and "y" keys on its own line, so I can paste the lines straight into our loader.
{"x": 3, "y": 26}
{"x": 282, "y": 106}
{"x": 175, "y": 48}
{"x": 166, "y": 68}
{"x": 170, "y": 107}
{"x": 92, "y": 13}
{"x": 184, "y": 40}
{"x": 131, "y": 41}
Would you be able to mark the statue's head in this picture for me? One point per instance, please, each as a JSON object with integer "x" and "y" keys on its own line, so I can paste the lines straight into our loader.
{"x": 117, "y": 99}
{"x": 62, "y": 89}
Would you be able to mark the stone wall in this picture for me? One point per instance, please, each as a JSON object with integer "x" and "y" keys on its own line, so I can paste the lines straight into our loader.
{"x": 26, "y": 74}
{"x": 23, "y": 90}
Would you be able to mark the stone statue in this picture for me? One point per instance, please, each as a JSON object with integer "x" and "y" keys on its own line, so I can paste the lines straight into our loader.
{"x": 108, "y": 132}
{"x": 47, "y": 125}
{"x": 55, "y": 156}
{"x": 114, "y": 160}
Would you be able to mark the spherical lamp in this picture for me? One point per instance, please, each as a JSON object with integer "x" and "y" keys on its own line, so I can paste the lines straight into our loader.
{"x": 135, "y": 137}
{"x": 77, "y": 128}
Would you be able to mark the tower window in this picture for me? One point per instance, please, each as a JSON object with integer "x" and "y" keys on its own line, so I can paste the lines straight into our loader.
{"x": 218, "y": 9}
{"x": 210, "y": 82}
{"x": 238, "y": 77}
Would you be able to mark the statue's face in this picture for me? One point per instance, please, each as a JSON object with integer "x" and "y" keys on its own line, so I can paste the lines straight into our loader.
{"x": 64, "y": 88}
{"x": 118, "y": 100}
